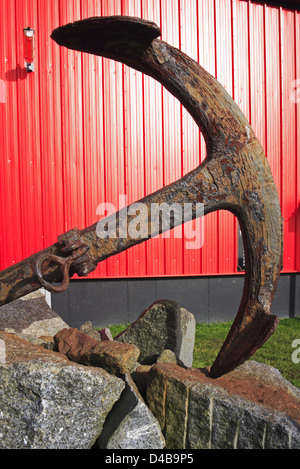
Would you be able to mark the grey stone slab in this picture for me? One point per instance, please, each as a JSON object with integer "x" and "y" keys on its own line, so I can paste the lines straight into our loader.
{"x": 30, "y": 316}
{"x": 48, "y": 402}
{"x": 198, "y": 413}
{"x": 154, "y": 331}
{"x": 131, "y": 424}
{"x": 186, "y": 337}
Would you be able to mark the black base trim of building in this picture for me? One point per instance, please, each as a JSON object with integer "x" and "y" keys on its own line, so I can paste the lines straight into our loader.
{"x": 210, "y": 299}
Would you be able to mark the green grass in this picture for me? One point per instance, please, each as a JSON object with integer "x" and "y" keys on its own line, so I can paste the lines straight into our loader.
{"x": 117, "y": 328}
{"x": 277, "y": 351}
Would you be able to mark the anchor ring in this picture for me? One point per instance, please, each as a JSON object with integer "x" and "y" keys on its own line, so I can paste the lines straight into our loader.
{"x": 63, "y": 263}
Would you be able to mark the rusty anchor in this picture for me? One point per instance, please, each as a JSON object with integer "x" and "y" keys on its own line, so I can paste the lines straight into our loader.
{"x": 235, "y": 176}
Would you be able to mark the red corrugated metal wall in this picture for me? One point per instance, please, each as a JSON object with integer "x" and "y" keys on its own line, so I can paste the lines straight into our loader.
{"x": 82, "y": 130}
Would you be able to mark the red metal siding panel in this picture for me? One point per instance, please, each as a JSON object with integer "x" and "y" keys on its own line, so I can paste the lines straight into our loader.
{"x": 72, "y": 125}
{"x": 172, "y": 147}
{"x": 257, "y": 71}
{"x": 296, "y": 98}
{"x": 93, "y": 131}
{"x": 288, "y": 162}
{"x": 83, "y": 130}
{"x": 29, "y": 136}
{"x": 113, "y": 114}
{"x": 52, "y": 195}
{"x": 153, "y": 147}
{"x": 207, "y": 58}
{"x": 273, "y": 94}
{"x": 227, "y": 229}
{"x": 11, "y": 247}
{"x": 134, "y": 145}
{"x": 241, "y": 57}
{"x": 191, "y": 157}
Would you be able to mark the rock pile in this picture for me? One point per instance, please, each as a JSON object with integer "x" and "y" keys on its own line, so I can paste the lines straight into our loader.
{"x": 68, "y": 388}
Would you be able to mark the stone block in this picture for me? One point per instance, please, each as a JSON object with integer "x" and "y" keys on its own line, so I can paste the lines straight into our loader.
{"x": 164, "y": 325}
{"x": 114, "y": 357}
{"x": 30, "y": 317}
{"x": 88, "y": 329}
{"x": 48, "y": 402}
{"x": 131, "y": 424}
{"x": 253, "y": 407}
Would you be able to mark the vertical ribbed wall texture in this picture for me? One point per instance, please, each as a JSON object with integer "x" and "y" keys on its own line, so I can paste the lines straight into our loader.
{"x": 83, "y": 130}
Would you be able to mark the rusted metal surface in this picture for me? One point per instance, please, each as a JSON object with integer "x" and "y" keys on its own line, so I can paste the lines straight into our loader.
{"x": 78, "y": 258}
{"x": 235, "y": 176}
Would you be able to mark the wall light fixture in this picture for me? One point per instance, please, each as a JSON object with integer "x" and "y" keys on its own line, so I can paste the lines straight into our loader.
{"x": 29, "y": 48}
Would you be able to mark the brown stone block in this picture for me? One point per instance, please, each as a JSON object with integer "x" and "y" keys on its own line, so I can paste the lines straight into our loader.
{"x": 115, "y": 357}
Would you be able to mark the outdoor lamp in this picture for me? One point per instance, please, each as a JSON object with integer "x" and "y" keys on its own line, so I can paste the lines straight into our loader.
{"x": 29, "y": 48}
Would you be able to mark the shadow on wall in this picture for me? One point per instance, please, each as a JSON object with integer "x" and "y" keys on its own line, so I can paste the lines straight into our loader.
{"x": 294, "y": 217}
{"x": 18, "y": 73}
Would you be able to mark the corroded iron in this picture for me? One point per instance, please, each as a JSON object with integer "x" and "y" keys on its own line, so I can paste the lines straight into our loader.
{"x": 78, "y": 257}
{"x": 235, "y": 176}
